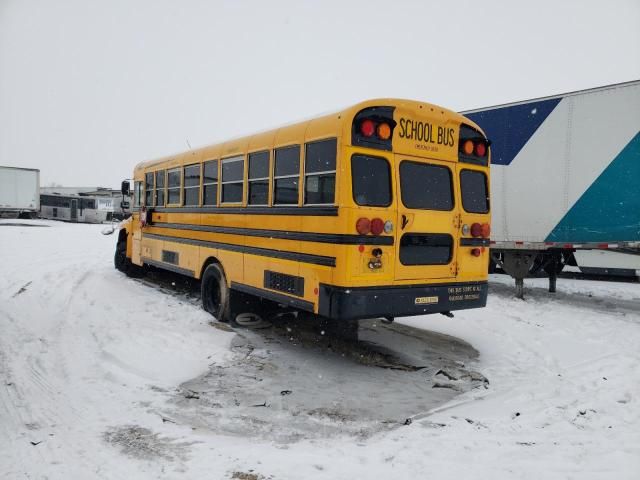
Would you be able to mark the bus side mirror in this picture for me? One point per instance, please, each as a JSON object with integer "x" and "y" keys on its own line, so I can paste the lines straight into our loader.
{"x": 125, "y": 188}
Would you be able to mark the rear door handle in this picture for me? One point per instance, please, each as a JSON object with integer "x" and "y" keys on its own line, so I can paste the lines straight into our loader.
{"x": 404, "y": 221}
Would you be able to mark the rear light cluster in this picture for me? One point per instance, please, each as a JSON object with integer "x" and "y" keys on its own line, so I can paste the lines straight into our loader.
{"x": 477, "y": 148}
{"x": 375, "y": 226}
{"x": 480, "y": 230}
{"x": 473, "y": 145}
{"x": 369, "y": 128}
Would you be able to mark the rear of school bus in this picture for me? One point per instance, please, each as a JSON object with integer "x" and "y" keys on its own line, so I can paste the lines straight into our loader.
{"x": 419, "y": 178}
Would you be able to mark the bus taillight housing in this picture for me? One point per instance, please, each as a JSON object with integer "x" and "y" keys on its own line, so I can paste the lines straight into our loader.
{"x": 375, "y": 226}
{"x": 473, "y": 147}
{"x": 373, "y": 128}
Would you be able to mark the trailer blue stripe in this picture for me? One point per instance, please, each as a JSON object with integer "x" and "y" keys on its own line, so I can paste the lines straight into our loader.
{"x": 510, "y": 128}
{"x": 609, "y": 211}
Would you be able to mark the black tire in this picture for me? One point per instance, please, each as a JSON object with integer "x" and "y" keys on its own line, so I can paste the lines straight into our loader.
{"x": 123, "y": 263}
{"x": 215, "y": 293}
{"x": 555, "y": 265}
{"x": 120, "y": 257}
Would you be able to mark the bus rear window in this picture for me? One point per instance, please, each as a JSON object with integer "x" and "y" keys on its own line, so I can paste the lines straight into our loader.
{"x": 474, "y": 191}
{"x": 426, "y": 249}
{"x": 371, "y": 181}
{"x": 426, "y": 187}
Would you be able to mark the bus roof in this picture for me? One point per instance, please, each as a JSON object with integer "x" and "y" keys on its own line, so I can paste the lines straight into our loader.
{"x": 331, "y": 124}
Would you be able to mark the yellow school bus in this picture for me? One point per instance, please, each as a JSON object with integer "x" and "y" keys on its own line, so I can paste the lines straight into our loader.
{"x": 379, "y": 210}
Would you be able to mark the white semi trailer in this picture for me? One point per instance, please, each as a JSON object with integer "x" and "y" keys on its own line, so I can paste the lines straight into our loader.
{"x": 19, "y": 192}
{"x": 565, "y": 177}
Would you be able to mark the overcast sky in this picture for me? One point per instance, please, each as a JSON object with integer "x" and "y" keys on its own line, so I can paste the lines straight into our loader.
{"x": 90, "y": 88}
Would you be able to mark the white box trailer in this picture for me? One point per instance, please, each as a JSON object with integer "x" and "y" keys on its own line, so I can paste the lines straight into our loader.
{"x": 19, "y": 192}
{"x": 612, "y": 263}
{"x": 565, "y": 176}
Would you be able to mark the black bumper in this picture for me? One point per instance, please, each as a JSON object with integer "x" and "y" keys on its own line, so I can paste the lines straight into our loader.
{"x": 357, "y": 303}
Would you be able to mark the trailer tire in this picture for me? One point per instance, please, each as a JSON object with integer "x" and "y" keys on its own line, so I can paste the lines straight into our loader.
{"x": 555, "y": 264}
{"x": 215, "y": 293}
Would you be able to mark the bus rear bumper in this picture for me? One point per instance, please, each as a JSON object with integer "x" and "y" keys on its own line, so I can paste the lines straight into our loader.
{"x": 356, "y": 303}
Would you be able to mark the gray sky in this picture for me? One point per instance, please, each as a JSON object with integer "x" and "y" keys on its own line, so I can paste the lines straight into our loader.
{"x": 90, "y": 88}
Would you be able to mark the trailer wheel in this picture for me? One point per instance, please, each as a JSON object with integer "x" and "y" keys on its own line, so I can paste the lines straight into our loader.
{"x": 215, "y": 293}
{"x": 554, "y": 265}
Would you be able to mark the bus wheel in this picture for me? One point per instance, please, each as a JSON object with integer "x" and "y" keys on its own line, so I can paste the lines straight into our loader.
{"x": 123, "y": 264}
{"x": 215, "y": 293}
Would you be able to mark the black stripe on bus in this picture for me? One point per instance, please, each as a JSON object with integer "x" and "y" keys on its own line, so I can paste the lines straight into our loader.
{"x": 168, "y": 266}
{"x": 304, "y": 211}
{"x": 474, "y": 242}
{"x": 335, "y": 238}
{"x": 273, "y": 296}
{"x": 263, "y": 252}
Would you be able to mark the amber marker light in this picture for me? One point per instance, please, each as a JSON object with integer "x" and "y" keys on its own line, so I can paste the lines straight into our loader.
{"x": 467, "y": 147}
{"x": 384, "y": 131}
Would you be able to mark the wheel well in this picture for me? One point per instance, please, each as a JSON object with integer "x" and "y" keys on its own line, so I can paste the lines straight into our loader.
{"x": 208, "y": 262}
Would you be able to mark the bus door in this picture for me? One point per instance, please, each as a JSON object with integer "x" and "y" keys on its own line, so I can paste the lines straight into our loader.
{"x": 426, "y": 233}
{"x": 74, "y": 210}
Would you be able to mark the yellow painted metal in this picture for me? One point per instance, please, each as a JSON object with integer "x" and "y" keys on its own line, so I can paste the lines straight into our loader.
{"x": 423, "y": 132}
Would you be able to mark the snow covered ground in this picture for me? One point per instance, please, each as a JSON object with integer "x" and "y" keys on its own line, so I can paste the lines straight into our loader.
{"x": 102, "y": 376}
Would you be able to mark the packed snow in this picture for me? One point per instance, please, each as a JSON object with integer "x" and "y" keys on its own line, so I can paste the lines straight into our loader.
{"x": 102, "y": 376}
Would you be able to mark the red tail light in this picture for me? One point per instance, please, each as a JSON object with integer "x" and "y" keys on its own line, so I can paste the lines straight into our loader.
{"x": 377, "y": 226}
{"x": 481, "y": 149}
{"x": 486, "y": 230}
{"x": 476, "y": 252}
{"x": 367, "y": 128}
{"x": 476, "y": 230}
{"x": 363, "y": 226}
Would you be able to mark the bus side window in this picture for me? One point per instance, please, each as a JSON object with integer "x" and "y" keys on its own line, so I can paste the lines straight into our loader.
{"x": 210, "y": 183}
{"x": 173, "y": 190}
{"x": 232, "y": 179}
{"x": 320, "y": 172}
{"x": 137, "y": 194}
{"x": 286, "y": 175}
{"x": 258, "y": 179}
{"x": 148, "y": 189}
{"x": 191, "y": 187}
{"x": 160, "y": 174}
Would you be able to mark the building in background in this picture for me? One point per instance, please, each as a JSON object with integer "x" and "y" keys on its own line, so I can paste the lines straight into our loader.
{"x": 106, "y": 200}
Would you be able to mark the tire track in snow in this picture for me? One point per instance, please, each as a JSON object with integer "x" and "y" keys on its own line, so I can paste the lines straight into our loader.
{"x": 42, "y": 372}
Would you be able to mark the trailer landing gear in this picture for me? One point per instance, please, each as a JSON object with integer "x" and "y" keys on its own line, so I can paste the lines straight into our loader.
{"x": 517, "y": 264}
{"x": 523, "y": 263}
